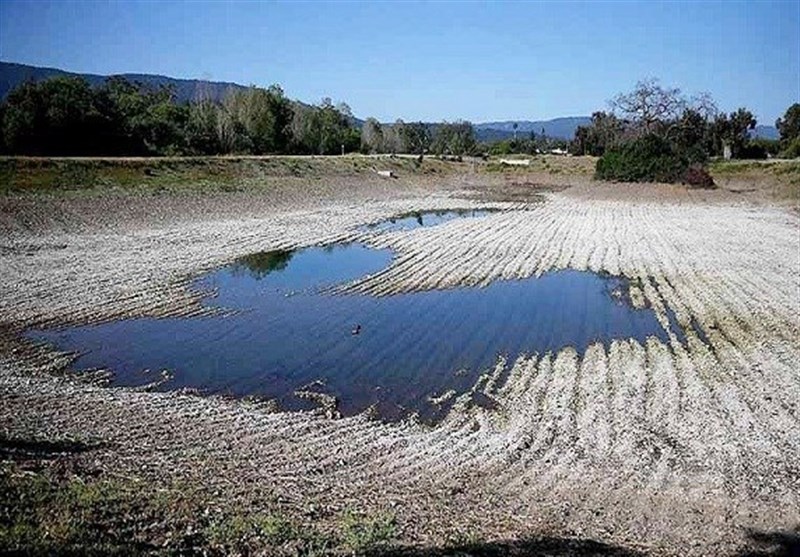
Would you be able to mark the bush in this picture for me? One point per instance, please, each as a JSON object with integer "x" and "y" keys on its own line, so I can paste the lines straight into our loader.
{"x": 771, "y": 146}
{"x": 647, "y": 159}
{"x": 698, "y": 177}
{"x": 792, "y": 151}
{"x": 753, "y": 151}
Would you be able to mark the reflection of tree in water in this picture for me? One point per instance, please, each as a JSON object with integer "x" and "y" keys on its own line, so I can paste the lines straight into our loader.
{"x": 263, "y": 263}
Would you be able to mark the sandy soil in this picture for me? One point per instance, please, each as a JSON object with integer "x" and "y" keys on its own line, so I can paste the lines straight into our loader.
{"x": 675, "y": 449}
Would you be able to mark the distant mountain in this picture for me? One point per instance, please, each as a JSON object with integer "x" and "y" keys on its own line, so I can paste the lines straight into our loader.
{"x": 766, "y": 132}
{"x": 561, "y": 128}
{"x": 11, "y": 75}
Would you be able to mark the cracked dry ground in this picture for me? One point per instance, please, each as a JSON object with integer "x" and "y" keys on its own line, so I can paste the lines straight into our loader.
{"x": 677, "y": 448}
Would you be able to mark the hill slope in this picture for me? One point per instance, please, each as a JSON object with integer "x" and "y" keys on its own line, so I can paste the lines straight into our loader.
{"x": 12, "y": 75}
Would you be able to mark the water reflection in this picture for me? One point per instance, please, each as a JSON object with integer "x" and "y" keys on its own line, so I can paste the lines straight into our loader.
{"x": 397, "y": 354}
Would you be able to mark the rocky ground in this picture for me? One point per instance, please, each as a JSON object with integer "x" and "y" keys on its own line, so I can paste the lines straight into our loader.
{"x": 678, "y": 448}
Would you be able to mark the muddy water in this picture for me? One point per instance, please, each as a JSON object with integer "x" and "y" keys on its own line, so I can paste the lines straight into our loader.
{"x": 423, "y": 219}
{"x": 396, "y": 352}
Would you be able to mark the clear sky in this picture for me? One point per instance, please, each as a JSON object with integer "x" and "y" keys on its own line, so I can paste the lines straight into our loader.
{"x": 434, "y": 60}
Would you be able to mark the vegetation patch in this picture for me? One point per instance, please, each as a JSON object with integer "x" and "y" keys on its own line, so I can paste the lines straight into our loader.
{"x": 648, "y": 159}
{"x": 658, "y": 135}
{"x": 92, "y": 176}
{"x": 60, "y": 506}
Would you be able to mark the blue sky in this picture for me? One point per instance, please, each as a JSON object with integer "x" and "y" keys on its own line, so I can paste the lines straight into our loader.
{"x": 432, "y": 60}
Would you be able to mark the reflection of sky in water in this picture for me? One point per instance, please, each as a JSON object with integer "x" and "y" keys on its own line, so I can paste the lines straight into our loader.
{"x": 410, "y": 346}
{"x": 421, "y": 219}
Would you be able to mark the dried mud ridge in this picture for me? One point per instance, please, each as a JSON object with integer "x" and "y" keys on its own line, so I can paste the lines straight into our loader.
{"x": 673, "y": 448}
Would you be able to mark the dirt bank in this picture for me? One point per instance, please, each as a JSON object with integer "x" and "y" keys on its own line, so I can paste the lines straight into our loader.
{"x": 675, "y": 449}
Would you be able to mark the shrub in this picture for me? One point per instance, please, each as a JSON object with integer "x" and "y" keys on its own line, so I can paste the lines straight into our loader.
{"x": 771, "y": 146}
{"x": 753, "y": 151}
{"x": 792, "y": 151}
{"x": 646, "y": 159}
{"x": 361, "y": 533}
{"x": 698, "y": 177}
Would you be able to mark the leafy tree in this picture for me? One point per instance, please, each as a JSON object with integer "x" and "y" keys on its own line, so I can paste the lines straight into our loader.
{"x": 733, "y": 130}
{"x": 148, "y": 121}
{"x": 417, "y": 138}
{"x": 789, "y": 125}
{"x": 792, "y": 151}
{"x": 737, "y": 130}
{"x": 691, "y": 136}
{"x": 57, "y": 116}
{"x": 255, "y": 121}
{"x": 457, "y": 138}
{"x": 201, "y": 129}
{"x": 605, "y": 131}
{"x": 325, "y": 129}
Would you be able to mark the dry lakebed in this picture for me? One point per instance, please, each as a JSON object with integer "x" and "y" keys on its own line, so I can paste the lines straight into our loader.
{"x": 484, "y": 357}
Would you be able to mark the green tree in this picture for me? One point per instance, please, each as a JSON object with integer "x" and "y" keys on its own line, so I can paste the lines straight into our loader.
{"x": 457, "y": 138}
{"x": 691, "y": 135}
{"x": 325, "y": 129}
{"x": 148, "y": 119}
{"x": 789, "y": 125}
{"x": 264, "y": 115}
{"x": 738, "y": 132}
{"x": 649, "y": 158}
{"x": 57, "y": 116}
{"x": 201, "y": 128}
{"x": 417, "y": 138}
{"x": 605, "y": 131}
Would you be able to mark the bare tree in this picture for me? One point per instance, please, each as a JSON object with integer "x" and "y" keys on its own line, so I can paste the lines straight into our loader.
{"x": 371, "y": 136}
{"x": 704, "y": 104}
{"x": 393, "y": 141}
{"x": 649, "y": 104}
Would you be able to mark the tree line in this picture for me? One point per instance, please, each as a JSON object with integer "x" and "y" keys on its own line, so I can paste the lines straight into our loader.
{"x": 444, "y": 139}
{"x": 656, "y": 134}
{"x": 694, "y": 126}
{"x": 66, "y": 116}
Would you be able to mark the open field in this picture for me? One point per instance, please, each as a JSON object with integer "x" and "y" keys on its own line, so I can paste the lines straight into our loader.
{"x": 638, "y": 448}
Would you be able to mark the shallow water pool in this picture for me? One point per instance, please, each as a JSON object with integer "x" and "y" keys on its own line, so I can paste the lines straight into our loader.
{"x": 290, "y": 330}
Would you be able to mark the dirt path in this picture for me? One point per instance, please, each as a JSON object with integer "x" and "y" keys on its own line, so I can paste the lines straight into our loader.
{"x": 678, "y": 448}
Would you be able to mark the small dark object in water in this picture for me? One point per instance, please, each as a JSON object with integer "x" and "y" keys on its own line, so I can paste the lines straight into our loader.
{"x": 356, "y": 330}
